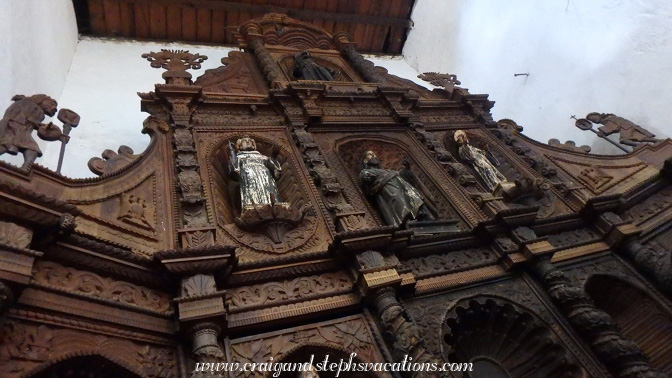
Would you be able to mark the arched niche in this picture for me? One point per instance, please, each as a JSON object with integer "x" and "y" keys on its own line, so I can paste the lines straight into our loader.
{"x": 286, "y": 62}
{"x": 289, "y": 225}
{"x": 392, "y": 155}
{"x": 227, "y": 188}
{"x": 93, "y": 366}
{"x": 319, "y": 352}
{"x": 529, "y": 190}
{"x": 503, "y": 340}
{"x": 639, "y": 316}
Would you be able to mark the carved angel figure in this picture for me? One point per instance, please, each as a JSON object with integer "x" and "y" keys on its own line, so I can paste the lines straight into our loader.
{"x": 482, "y": 161}
{"x": 396, "y": 198}
{"x": 630, "y": 133}
{"x": 305, "y": 68}
{"x": 255, "y": 172}
{"x": 21, "y": 118}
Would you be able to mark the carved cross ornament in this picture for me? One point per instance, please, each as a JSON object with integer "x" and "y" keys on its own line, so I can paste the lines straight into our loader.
{"x": 176, "y": 63}
{"x": 447, "y": 81}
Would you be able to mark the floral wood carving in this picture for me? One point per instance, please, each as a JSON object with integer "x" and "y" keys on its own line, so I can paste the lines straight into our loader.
{"x": 26, "y": 349}
{"x": 176, "y": 63}
{"x": 273, "y": 293}
{"x": 112, "y": 161}
{"x": 53, "y": 275}
{"x": 351, "y": 334}
{"x": 449, "y": 262}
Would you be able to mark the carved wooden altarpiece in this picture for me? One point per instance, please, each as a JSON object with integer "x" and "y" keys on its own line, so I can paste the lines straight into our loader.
{"x": 155, "y": 265}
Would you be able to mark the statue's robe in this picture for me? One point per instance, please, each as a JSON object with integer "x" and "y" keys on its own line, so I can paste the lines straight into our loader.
{"x": 397, "y": 200}
{"x": 257, "y": 174}
{"x": 484, "y": 168}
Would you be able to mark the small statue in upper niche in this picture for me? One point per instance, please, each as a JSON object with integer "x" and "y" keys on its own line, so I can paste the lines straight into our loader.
{"x": 21, "y": 118}
{"x": 398, "y": 200}
{"x": 305, "y": 68}
{"x": 630, "y": 133}
{"x": 255, "y": 172}
{"x": 482, "y": 161}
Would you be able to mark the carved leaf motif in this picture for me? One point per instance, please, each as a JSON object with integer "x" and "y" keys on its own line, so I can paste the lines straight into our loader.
{"x": 302, "y": 287}
{"x": 70, "y": 279}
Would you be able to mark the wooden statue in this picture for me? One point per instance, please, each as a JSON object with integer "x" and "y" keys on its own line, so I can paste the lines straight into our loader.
{"x": 305, "y": 68}
{"x": 397, "y": 200}
{"x": 21, "y": 118}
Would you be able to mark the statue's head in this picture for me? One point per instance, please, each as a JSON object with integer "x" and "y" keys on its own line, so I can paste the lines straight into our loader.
{"x": 594, "y": 117}
{"x": 460, "y": 137}
{"x": 303, "y": 55}
{"x": 45, "y": 102}
{"x": 246, "y": 144}
{"x": 370, "y": 159}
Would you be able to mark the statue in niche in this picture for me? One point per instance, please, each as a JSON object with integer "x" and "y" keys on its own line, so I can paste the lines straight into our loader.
{"x": 483, "y": 163}
{"x": 630, "y": 133}
{"x": 255, "y": 172}
{"x": 396, "y": 198}
{"x": 262, "y": 209}
{"x": 21, "y": 118}
{"x": 305, "y": 68}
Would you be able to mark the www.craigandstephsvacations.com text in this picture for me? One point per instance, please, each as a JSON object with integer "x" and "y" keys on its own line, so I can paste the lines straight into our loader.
{"x": 351, "y": 365}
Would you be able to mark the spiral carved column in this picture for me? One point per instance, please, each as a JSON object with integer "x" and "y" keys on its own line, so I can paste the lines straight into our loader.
{"x": 621, "y": 355}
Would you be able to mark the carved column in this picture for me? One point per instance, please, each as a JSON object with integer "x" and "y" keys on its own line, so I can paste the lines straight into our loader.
{"x": 6, "y": 298}
{"x": 621, "y": 355}
{"x": 201, "y": 306}
{"x": 205, "y": 347}
{"x": 378, "y": 279}
{"x": 365, "y": 67}
{"x": 624, "y": 238}
{"x": 402, "y": 335}
{"x": 265, "y": 60}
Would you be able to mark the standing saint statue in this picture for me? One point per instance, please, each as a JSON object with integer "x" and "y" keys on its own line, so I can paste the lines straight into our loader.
{"x": 482, "y": 161}
{"x": 255, "y": 172}
{"x": 305, "y": 68}
{"x": 396, "y": 198}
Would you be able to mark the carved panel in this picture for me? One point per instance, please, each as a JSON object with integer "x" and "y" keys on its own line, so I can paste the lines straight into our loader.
{"x": 274, "y": 293}
{"x": 54, "y": 275}
{"x": 311, "y": 235}
{"x": 29, "y": 348}
{"x": 350, "y": 334}
{"x": 423, "y": 267}
{"x": 238, "y": 75}
{"x": 392, "y": 150}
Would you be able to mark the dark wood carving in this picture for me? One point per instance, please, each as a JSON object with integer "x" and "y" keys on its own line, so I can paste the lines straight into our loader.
{"x": 158, "y": 263}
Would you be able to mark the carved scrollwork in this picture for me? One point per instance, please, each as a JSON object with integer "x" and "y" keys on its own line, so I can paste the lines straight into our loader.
{"x": 26, "y": 349}
{"x": 112, "y": 161}
{"x": 273, "y": 293}
{"x": 91, "y": 284}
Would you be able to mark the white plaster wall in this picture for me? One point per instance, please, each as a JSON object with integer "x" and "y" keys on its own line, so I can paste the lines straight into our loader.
{"x": 101, "y": 87}
{"x": 37, "y": 42}
{"x": 611, "y": 56}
